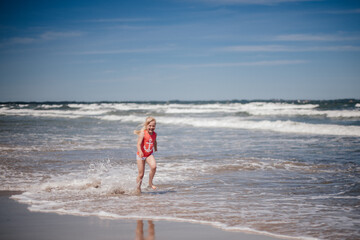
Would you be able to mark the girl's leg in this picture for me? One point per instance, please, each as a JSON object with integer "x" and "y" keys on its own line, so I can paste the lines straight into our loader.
{"x": 141, "y": 168}
{"x": 152, "y": 163}
{"x": 139, "y": 233}
{"x": 151, "y": 230}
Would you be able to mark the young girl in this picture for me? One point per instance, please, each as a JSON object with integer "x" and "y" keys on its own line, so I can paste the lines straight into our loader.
{"x": 146, "y": 144}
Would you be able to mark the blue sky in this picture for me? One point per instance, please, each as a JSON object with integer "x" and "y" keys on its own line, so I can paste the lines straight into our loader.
{"x": 179, "y": 49}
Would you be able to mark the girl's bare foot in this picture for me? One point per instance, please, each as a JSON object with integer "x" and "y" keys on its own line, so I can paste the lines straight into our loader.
{"x": 153, "y": 187}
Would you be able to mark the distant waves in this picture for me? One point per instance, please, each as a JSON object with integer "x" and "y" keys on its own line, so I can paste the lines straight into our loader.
{"x": 314, "y": 117}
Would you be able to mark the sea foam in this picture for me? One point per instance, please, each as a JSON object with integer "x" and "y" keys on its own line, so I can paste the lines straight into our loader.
{"x": 277, "y": 126}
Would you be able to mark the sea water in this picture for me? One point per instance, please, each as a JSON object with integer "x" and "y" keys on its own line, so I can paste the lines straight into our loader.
{"x": 284, "y": 168}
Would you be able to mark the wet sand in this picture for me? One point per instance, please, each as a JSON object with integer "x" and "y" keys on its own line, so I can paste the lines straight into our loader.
{"x": 17, "y": 222}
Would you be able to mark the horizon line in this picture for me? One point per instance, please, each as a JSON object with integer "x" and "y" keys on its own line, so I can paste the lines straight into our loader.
{"x": 177, "y": 100}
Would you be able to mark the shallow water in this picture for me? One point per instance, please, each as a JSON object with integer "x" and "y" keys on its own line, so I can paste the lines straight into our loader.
{"x": 282, "y": 168}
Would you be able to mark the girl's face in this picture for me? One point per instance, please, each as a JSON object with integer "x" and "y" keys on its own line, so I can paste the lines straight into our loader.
{"x": 151, "y": 127}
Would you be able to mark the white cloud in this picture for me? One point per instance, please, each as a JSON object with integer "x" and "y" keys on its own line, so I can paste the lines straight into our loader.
{"x": 255, "y": 2}
{"x": 21, "y": 40}
{"x": 282, "y": 48}
{"x": 16, "y": 41}
{"x": 348, "y": 11}
{"x": 118, "y": 20}
{"x": 56, "y": 35}
{"x": 122, "y": 51}
{"x": 235, "y": 64}
{"x": 46, "y": 36}
{"x": 336, "y": 48}
{"x": 256, "y": 48}
{"x": 311, "y": 37}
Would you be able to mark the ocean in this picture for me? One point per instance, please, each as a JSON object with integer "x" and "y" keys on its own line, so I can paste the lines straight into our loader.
{"x": 275, "y": 167}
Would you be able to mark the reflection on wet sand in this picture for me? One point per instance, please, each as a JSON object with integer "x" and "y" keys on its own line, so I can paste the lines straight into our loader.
{"x": 139, "y": 233}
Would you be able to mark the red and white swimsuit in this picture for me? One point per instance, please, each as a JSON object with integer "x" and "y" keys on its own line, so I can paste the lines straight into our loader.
{"x": 147, "y": 145}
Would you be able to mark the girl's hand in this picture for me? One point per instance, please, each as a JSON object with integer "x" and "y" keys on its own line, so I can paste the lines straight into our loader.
{"x": 140, "y": 139}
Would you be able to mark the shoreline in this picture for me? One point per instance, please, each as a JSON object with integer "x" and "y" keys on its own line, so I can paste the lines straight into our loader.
{"x": 17, "y": 222}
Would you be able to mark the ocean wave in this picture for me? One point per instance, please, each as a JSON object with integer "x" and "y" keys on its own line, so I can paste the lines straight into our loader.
{"x": 277, "y": 126}
{"x": 49, "y": 106}
{"x": 262, "y": 109}
{"x": 254, "y": 164}
{"x": 287, "y": 126}
{"x": 236, "y": 123}
{"x": 77, "y": 110}
{"x": 53, "y": 113}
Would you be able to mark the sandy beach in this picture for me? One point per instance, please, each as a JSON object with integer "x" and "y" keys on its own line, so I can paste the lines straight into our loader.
{"x": 17, "y": 222}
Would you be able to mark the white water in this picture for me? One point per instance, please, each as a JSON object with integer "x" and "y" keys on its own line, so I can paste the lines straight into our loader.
{"x": 178, "y": 114}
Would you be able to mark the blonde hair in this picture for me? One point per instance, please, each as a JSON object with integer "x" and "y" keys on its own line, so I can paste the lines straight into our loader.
{"x": 147, "y": 121}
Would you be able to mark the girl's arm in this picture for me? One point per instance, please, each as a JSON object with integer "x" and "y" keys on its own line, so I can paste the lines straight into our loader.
{"x": 155, "y": 146}
{"x": 140, "y": 139}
